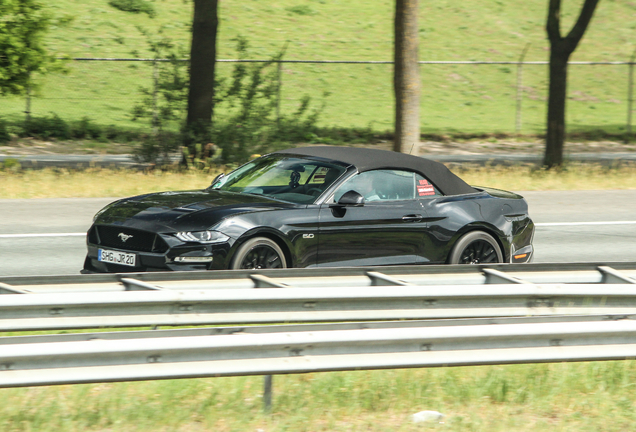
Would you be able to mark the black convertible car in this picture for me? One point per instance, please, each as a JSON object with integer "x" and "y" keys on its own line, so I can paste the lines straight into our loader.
{"x": 315, "y": 207}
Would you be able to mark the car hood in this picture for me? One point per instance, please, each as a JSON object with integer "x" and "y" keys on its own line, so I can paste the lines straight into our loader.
{"x": 184, "y": 210}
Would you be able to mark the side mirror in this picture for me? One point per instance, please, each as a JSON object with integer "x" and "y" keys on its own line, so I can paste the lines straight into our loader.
{"x": 351, "y": 198}
{"x": 217, "y": 178}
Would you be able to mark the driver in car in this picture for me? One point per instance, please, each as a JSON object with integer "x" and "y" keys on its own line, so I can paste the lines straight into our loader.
{"x": 365, "y": 185}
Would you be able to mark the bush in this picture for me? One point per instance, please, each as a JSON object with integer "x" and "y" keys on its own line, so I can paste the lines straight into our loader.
{"x": 11, "y": 164}
{"x": 156, "y": 148}
{"x": 248, "y": 123}
{"x": 134, "y": 6}
{"x": 55, "y": 127}
{"x": 47, "y": 127}
{"x": 4, "y": 134}
{"x": 244, "y": 121}
{"x": 84, "y": 128}
{"x": 113, "y": 133}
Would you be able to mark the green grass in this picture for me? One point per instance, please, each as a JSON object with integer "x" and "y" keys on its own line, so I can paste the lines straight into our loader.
{"x": 455, "y": 98}
{"x": 596, "y": 396}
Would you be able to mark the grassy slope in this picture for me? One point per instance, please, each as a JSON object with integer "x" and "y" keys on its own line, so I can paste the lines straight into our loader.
{"x": 454, "y": 98}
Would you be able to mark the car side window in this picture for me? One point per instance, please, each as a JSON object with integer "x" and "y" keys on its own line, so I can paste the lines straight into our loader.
{"x": 381, "y": 185}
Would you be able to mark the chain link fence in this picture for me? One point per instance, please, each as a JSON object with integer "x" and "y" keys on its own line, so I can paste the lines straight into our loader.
{"x": 457, "y": 96}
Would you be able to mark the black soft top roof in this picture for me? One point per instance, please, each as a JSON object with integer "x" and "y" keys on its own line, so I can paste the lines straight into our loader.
{"x": 365, "y": 159}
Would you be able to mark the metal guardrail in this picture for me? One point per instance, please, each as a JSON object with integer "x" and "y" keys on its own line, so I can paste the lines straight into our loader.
{"x": 172, "y": 356}
{"x": 209, "y": 298}
{"x": 530, "y": 313}
{"x": 581, "y": 273}
{"x": 255, "y": 329}
{"x": 274, "y": 305}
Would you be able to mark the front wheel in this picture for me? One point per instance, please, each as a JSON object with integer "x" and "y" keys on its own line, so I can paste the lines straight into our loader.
{"x": 476, "y": 247}
{"x": 259, "y": 253}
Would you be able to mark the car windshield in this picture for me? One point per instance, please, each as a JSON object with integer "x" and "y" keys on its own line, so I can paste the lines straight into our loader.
{"x": 282, "y": 177}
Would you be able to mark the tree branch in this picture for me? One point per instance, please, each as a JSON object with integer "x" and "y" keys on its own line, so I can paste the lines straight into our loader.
{"x": 575, "y": 35}
{"x": 554, "y": 21}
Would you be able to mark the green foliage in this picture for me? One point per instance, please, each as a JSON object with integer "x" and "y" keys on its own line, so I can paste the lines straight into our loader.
{"x": 4, "y": 133}
{"x": 23, "y": 25}
{"x": 156, "y": 148}
{"x": 167, "y": 101}
{"x": 245, "y": 120}
{"x": 85, "y": 128}
{"x": 54, "y": 127}
{"x": 249, "y": 102}
{"x": 11, "y": 164}
{"x": 134, "y": 6}
{"x": 119, "y": 134}
{"x": 342, "y": 135}
{"x": 202, "y": 158}
{"x": 48, "y": 127}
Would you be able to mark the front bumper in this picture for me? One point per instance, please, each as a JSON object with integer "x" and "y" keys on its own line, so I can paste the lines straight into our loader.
{"x": 163, "y": 261}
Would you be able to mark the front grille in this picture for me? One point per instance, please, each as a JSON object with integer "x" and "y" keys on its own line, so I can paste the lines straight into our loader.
{"x": 135, "y": 240}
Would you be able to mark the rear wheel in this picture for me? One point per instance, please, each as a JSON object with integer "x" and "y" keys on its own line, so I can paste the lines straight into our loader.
{"x": 476, "y": 247}
{"x": 259, "y": 253}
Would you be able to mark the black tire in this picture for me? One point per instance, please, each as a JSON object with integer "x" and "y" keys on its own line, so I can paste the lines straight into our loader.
{"x": 257, "y": 253}
{"x": 476, "y": 247}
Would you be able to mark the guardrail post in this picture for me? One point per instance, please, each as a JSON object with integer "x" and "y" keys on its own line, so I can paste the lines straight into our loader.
{"x": 267, "y": 393}
{"x": 519, "y": 88}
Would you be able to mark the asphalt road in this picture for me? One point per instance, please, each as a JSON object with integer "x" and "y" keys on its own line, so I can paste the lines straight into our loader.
{"x": 44, "y": 236}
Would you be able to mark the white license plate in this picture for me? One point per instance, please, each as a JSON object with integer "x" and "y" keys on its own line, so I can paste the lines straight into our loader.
{"x": 116, "y": 257}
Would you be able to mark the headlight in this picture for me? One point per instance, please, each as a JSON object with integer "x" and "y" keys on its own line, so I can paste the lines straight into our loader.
{"x": 202, "y": 236}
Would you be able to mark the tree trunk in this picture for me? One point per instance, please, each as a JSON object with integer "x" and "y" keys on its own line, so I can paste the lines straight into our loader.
{"x": 406, "y": 80}
{"x": 555, "y": 135}
{"x": 202, "y": 65}
{"x": 560, "y": 50}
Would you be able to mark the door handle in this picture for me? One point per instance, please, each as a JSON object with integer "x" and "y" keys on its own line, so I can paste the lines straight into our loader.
{"x": 412, "y": 217}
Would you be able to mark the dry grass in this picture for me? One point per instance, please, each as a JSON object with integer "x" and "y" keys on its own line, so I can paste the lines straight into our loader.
{"x": 56, "y": 183}
{"x": 572, "y": 177}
